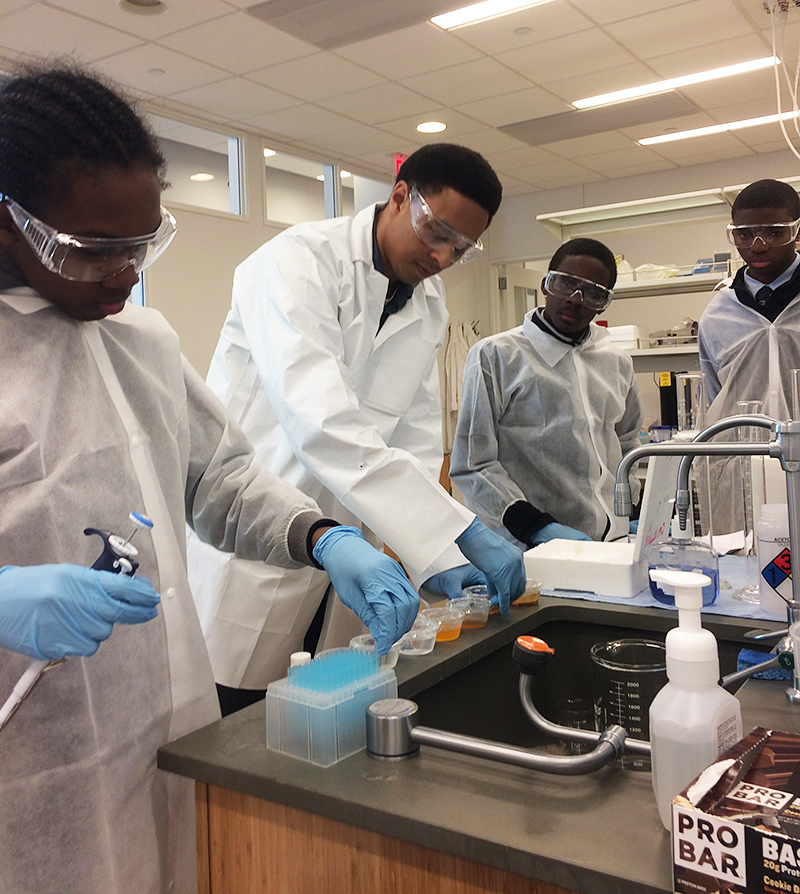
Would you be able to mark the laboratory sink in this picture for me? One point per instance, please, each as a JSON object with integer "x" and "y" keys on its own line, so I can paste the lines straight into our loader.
{"x": 480, "y": 696}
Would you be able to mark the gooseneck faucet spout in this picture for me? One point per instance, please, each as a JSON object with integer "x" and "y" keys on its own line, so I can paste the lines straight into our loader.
{"x": 682, "y": 498}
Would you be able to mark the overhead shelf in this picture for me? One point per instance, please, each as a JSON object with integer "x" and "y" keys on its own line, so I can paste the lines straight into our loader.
{"x": 652, "y": 211}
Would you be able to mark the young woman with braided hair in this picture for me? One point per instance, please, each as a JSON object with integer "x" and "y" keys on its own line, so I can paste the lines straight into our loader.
{"x": 100, "y": 415}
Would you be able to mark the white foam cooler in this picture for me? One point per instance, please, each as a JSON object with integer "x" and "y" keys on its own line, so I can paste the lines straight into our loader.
{"x": 617, "y": 568}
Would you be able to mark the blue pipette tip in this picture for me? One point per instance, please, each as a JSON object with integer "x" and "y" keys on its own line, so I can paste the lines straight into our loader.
{"x": 141, "y": 521}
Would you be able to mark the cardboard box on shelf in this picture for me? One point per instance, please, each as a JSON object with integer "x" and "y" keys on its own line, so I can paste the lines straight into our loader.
{"x": 736, "y": 828}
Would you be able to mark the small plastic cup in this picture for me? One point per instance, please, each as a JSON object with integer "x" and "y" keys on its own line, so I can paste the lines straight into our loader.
{"x": 475, "y": 607}
{"x": 530, "y": 596}
{"x": 449, "y": 620}
{"x": 421, "y": 639}
{"x": 364, "y": 642}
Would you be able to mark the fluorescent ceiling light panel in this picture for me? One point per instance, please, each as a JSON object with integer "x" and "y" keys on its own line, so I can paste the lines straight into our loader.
{"x": 674, "y": 83}
{"x": 480, "y": 12}
{"x": 717, "y": 128}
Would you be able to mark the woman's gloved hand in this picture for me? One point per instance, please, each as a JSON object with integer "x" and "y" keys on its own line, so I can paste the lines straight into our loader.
{"x": 500, "y": 561}
{"x": 555, "y": 531}
{"x": 55, "y": 611}
{"x": 370, "y": 583}
{"x": 451, "y": 583}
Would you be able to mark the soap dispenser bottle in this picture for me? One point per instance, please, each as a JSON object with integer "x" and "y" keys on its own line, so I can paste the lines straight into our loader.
{"x": 692, "y": 719}
{"x": 681, "y": 552}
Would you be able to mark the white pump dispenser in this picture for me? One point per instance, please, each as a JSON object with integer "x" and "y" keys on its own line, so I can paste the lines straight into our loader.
{"x": 692, "y": 719}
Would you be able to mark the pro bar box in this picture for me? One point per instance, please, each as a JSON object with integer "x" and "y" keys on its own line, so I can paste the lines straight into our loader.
{"x": 736, "y": 828}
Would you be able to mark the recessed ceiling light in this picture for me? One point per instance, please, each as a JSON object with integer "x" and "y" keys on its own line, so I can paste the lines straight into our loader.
{"x": 717, "y": 128}
{"x": 321, "y": 178}
{"x": 269, "y": 152}
{"x": 201, "y": 177}
{"x": 674, "y": 83}
{"x": 480, "y": 12}
{"x": 431, "y": 127}
{"x": 143, "y": 7}
{"x": 344, "y": 174}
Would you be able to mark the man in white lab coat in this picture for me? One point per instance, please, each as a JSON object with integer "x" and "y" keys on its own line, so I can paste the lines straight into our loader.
{"x": 328, "y": 360}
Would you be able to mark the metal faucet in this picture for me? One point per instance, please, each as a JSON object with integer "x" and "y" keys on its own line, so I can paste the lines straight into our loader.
{"x": 785, "y": 446}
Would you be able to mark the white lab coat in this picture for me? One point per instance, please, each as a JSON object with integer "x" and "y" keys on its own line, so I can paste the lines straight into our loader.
{"x": 98, "y": 419}
{"x": 348, "y": 414}
{"x": 546, "y": 422}
{"x": 744, "y": 356}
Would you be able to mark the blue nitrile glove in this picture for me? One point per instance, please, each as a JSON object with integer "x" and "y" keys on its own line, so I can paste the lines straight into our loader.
{"x": 54, "y": 611}
{"x": 451, "y": 583}
{"x": 633, "y": 526}
{"x": 498, "y": 559}
{"x": 370, "y": 583}
{"x": 555, "y": 531}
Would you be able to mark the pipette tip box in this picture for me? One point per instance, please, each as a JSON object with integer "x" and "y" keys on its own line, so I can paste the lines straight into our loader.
{"x": 323, "y": 725}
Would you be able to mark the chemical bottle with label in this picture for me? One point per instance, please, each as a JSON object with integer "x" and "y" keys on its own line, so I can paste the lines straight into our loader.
{"x": 774, "y": 558}
{"x": 692, "y": 719}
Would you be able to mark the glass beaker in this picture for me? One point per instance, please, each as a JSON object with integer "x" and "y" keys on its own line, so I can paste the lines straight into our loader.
{"x": 627, "y": 674}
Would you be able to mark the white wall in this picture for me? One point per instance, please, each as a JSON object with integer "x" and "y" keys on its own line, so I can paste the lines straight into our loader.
{"x": 191, "y": 282}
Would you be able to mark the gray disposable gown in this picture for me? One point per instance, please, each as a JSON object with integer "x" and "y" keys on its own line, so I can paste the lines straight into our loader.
{"x": 546, "y": 422}
{"x": 98, "y": 419}
{"x": 744, "y": 357}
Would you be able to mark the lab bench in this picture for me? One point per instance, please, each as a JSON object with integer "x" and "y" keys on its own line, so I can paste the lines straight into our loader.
{"x": 442, "y": 822}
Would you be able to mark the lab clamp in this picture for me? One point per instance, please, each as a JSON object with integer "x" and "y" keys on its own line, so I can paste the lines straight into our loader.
{"x": 393, "y": 729}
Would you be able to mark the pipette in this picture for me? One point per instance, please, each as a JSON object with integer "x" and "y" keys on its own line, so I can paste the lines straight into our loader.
{"x": 119, "y": 557}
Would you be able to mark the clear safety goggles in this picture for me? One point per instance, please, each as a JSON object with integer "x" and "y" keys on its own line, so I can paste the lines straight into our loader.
{"x": 436, "y": 233}
{"x": 564, "y": 285}
{"x": 769, "y": 234}
{"x": 86, "y": 258}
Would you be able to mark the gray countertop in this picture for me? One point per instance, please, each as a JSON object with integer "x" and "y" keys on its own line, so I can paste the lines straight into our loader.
{"x": 598, "y": 834}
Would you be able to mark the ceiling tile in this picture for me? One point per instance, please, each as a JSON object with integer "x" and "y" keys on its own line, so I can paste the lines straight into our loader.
{"x": 156, "y": 70}
{"x": 480, "y": 79}
{"x": 410, "y": 51}
{"x": 523, "y": 157}
{"x": 748, "y": 92}
{"x": 301, "y": 122}
{"x": 491, "y": 141}
{"x": 177, "y": 14}
{"x": 358, "y": 141}
{"x": 586, "y": 51}
{"x": 238, "y": 43}
{"x": 611, "y": 163}
{"x": 597, "y": 82}
{"x": 520, "y": 106}
{"x": 613, "y": 141}
{"x": 317, "y": 76}
{"x": 671, "y": 30}
{"x": 544, "y": 173}
{"x": 378, "y": 104}
{"x": 523, "y": 28}
{"x": 707, "y": 56}
{"x": 605, "y": 11}
{"x": 236, "y": 99}
{"x": 715, "y": 147}
{"x": 514, "y": 187}
{"x": 457, "y": 124}
{"x": 38, "y": 29}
